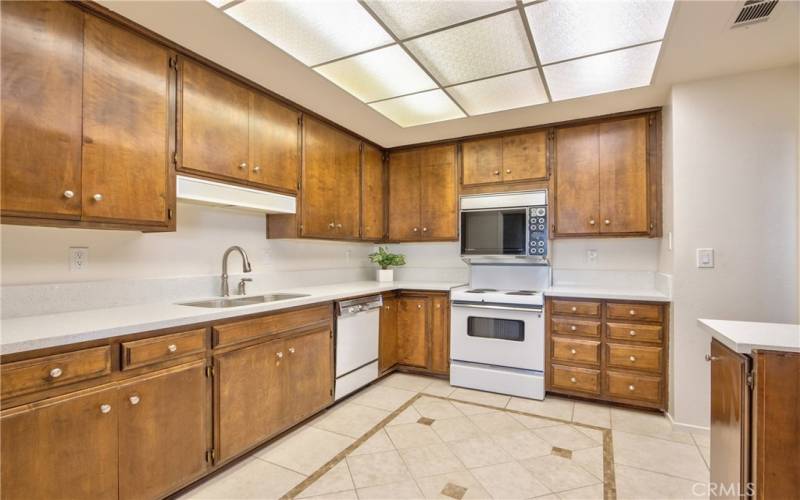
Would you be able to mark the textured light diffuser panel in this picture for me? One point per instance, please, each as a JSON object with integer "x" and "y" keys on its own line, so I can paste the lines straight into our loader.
{"x": 312, "y": 31}
{"x": 487, "y": 47}
{"x": 416, "y": 109}
{"x": 408, "y": 18}
{"x": 500, "y": 93}
{"x": 565, "y": 29}
{"x": 619, "y": 70}
{"x": 378, "y": 74}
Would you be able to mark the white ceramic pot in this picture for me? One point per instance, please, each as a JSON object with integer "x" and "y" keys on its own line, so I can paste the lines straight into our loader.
{"x": 385, "y": 275}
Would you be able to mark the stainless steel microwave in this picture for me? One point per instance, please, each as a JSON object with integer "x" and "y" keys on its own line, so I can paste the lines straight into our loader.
{"x": 507, "y": 227}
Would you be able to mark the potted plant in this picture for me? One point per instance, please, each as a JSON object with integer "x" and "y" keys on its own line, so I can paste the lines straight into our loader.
{"x": 385, "y": 259}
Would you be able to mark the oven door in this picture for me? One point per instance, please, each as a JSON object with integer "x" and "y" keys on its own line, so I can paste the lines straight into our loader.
{"x": 494, "y": 232}
{"x": 497, "y": 335}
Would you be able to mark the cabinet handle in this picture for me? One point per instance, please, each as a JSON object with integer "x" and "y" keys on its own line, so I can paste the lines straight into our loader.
{"x": 419, "y": 306}
{"x": 508, "y": 170}
{"x": 415, "y": 229}
{"x": 279, "y": 354}
{"x": 573, "y": 351}
{"x": 68, "y": 194}
{"x": 633, "y": 359}
{"x": 438, "y": 306}
{"x": 257, "y": 169}
{"x": 632, "y": 333}
{"x": 134, "y": 399}
{"x": 97, "y": 197}
{"x": 606, "y": 222}
{"x": 591, "y": 222}
{"x": 338, "y": 226}
{"x": 55, "y": 372}
{"x": 574, "y": 308}
{"x": 573, "y": 380}
{"x": 710, "y": 358}
{"x": 331, "y": 225}
{"x": 496, "y": 172}
{"x": 291, "y": 350}
{"x": 573, "y": 328}
{"x": 243, "y": 165}
{"x": 105, "y": 408}
{"x": 424, "y": 229}
{"x": 631, "y": 388}
{"x": 632, "y": 312}
{"x": 172, "y": 348}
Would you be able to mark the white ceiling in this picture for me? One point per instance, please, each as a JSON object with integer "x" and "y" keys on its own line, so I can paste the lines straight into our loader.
{"x": 699, "y": 44}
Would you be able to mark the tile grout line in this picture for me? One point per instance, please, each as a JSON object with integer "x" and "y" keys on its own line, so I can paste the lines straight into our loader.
{"x": 673, "y": 476}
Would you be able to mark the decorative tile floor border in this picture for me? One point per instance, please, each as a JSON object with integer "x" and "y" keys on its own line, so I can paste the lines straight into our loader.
{"x": 609, "y": 479}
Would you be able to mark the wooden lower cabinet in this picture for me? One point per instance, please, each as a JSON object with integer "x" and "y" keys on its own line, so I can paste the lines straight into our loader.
{"x": 440, "y": 334}
{"x": 310, "y": 373}
{"x": 417, "y": 334}
{"x": 164, "y": 431}
{"x": 412, "y": 331}
{"x": 64, "y": 447}
{"x": 387, "y": 352}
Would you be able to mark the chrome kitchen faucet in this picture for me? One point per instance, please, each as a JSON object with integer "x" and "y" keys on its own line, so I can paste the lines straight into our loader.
{"x": 245, "y": 267}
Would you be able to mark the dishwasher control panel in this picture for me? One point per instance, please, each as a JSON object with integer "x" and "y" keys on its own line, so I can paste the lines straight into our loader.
{"x": 361, "y": 304}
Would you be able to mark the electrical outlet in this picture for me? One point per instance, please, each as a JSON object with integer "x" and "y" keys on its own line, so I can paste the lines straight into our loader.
{"x": 705, "y": 257}
{"x": 78, "y": 258}
{"x": 591, "y": 256}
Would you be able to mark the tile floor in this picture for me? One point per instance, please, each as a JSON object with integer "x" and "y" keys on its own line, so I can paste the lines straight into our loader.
{"x": 446, "y": 442}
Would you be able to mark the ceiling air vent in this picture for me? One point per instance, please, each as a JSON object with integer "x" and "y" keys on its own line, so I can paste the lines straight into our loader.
{"x": 754, "y": 11}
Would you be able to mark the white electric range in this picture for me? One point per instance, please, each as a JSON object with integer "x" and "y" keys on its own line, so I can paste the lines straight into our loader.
{"x": 497, "y": 330}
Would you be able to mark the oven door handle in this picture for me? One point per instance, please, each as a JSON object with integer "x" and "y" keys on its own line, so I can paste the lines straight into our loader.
{"x": 500, "y": 308}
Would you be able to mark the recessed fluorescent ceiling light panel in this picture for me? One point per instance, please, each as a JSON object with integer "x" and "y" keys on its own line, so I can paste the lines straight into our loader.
{"x": 421, "y": 61}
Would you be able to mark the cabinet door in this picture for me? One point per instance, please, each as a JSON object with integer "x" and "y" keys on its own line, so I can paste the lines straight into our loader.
{"x": 440, "y": 335}
{"x": 214, "y": 123}
{"x": 412, "y": 331}
{"x": 482, "y": 161}
{"x": 126, "y": 87}
{"x": 163, "y": 430}
{"x": 404, "y": 196}
{"x": 439, "y": 198}
{"x": 61, "y": 448}
{"x": 310, "y": 373}
{"x": 347, "y": 156}
{"x": 387, "y": 356}
{"x": 41, "y": 66}
{"x": 577, "y": 196}
{"x": 250, "y": 404}
{"x": 525, "y": 157}
{"x": 623, "y": 176}
{"x": 318, "y": 199}
{"x": 372, "y": 194}
{"x": 274, "y": 144}
{"x": 730, "y": 410}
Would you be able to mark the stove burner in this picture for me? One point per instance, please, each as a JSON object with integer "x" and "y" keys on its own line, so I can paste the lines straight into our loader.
{"x": 482, "y": 290}
{"x": 523, "y": 292}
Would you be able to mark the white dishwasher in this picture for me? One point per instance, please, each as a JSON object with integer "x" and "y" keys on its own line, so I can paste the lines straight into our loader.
{"x": 357, "y": 329}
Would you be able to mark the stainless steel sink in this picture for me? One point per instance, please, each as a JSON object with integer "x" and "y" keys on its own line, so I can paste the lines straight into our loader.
{"x": 243, "y": 301}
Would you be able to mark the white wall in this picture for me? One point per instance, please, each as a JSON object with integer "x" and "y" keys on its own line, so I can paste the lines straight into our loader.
{"x": 734, "y": 147}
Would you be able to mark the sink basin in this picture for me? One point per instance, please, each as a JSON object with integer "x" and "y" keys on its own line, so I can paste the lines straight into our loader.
{"x": 243, "y": 301}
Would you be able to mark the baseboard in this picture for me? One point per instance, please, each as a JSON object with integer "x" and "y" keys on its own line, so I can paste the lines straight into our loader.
{"x": 678, "y": 426}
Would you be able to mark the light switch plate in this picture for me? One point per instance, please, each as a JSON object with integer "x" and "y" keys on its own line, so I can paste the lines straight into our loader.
{"x": 705, "y": 257}
{"x": 78, "y": 258}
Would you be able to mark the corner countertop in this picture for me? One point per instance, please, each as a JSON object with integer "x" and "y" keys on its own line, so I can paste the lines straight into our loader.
{"x": 51, "y": 330}
{"x": 591, "y": 292}
{"x": 746, "y": 336}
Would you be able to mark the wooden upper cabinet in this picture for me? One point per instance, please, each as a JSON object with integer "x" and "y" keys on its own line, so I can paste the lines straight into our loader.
{"x": 412, "y": 331}
{"x": 164, "y": 430}
{"x": 373, "y": 199}
{"x": 274, "y": 144}
{"x": 347, "y": 157}
{"x": 214, "y": 123}
{"x": 65, "y": 447}
{"x": 623, "y": 176}
{"x": 577, "y": 180}
{"x": 42, "y": 60}
{"x": 404, "y": 195}
{"x": 604, "y": 183}
{"x": 423, "y": 194}
{"x": 518, "y": 157}
{"x": 439, "y": 198}
{"x": 126, "y": 125}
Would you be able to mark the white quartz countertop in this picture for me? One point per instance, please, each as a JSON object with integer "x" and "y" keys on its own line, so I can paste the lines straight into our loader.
{"x": 591, "y": 292}
{"x": 51, "y": 330}
{"x": 746, "y": 336}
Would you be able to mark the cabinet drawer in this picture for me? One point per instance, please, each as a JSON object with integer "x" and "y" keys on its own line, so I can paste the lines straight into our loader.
{"x": 148, "y": 351}
{"x": 637, "y": 333}
{"x": 631, "y": 357}
{"x": 576, "y": 379}
{"x": 53, "y": 371}
{"x": 570, "y": 326}
{"x": 576, "y": 308}
{"x": 575, "y": 351}
{"x": 272, "y": 324}
{"x": 629, "y": 385}
{"x": 637, "y": 312}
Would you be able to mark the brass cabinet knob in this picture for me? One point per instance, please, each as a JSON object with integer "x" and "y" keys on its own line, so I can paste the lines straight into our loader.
{"x": 631, "y": 388}
{"x": 591, "y": 222}
{"x": 632, "y": 333}
{"x": 134, "y": 399}
{"x": 172, "y": 348}
{"x": 573, "y": 328}
{"x": 424, "y": 229}
{"x": 496, "y": 172}
{"x": 632, "y": 312}
{"x": 257, "y": 169}
{"x": 338, "y": 226}
{"x": 331, "y": 225}
{"x": 97, "y": 197}
{"x": 573, "y": 380}
{"x": 279, "y": 354}
{"x": 508, "y": 170}
{"x": 105, "y": 408}
{"x": 574, "y": 308}
{"x": 291, "y": 350}
{"x": 606, "y": 222}
{"x": 415, "y": 229}
{"x": 573, "y": 351}
{"x": 633, "y": 359}
{"x": 55, "y": 372}
{"x": 419, "y": 306}
{"x": 68, "y": 194}
{"x": 243, "y": 165}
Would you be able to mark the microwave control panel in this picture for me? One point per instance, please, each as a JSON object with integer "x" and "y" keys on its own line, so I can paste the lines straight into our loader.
{"x": 537, "y": 231}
